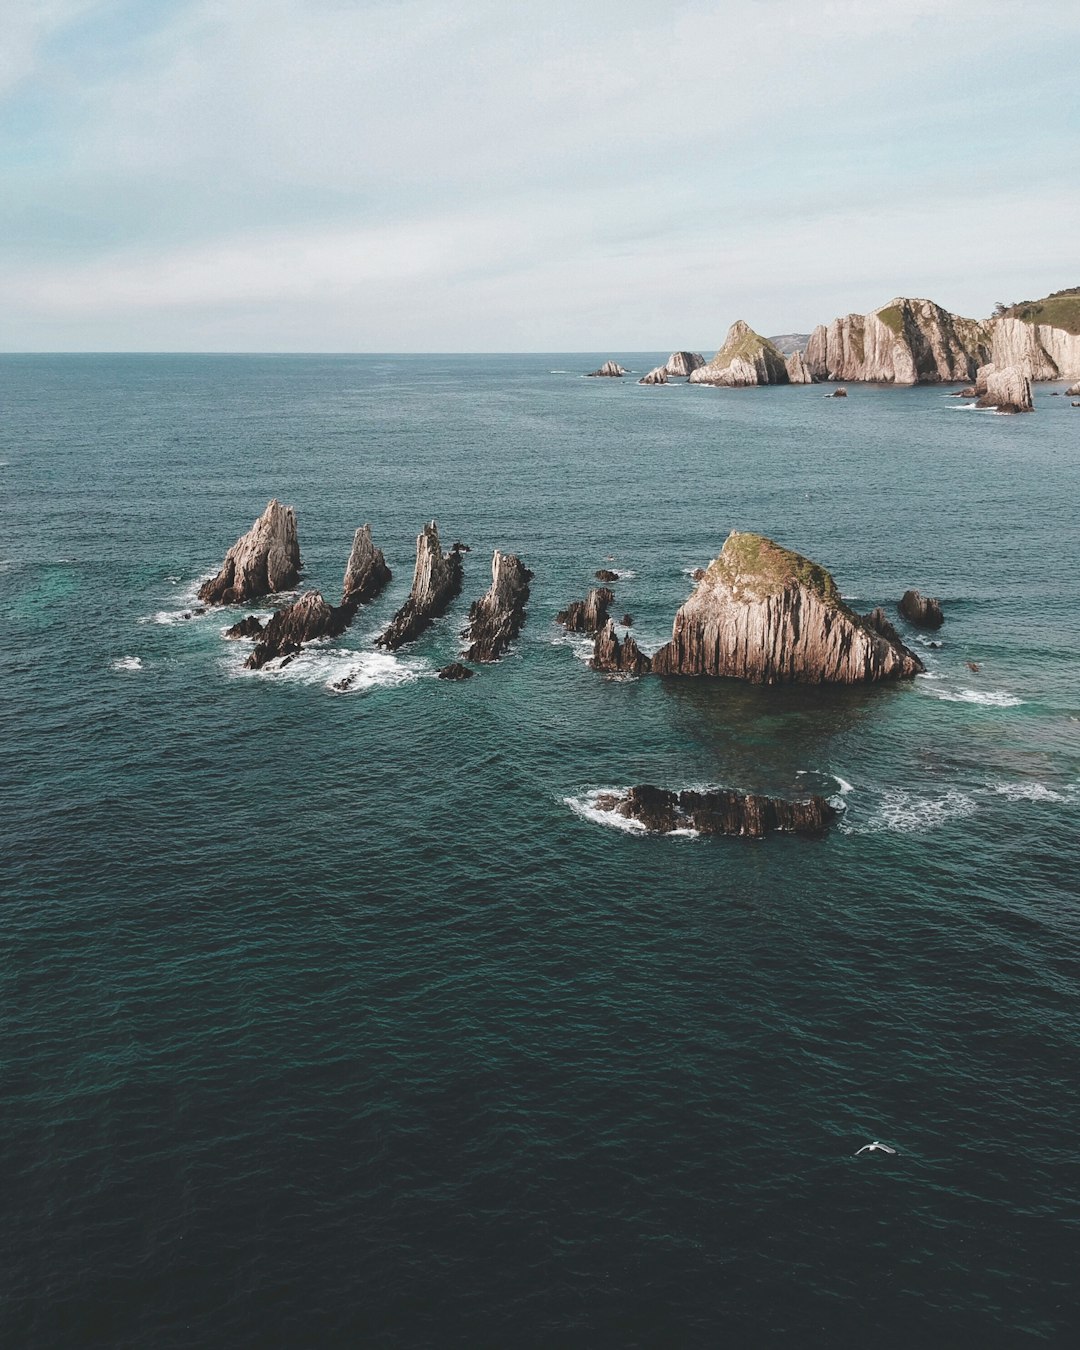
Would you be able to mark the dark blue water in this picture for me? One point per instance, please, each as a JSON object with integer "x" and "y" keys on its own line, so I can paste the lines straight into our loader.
{"x": 334, "y": 1019}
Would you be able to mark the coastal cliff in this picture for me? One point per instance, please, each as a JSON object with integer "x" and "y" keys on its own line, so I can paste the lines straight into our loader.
{"x": 1041, "y": 351}
{"x": 798, "y": 371}
{"x": 904, "y": 342}
{"x": 745, "y": 359}
{"x": 1008, "y": 390}
{"x": 436, "y": 581}
{"x": 765, "y": 614}
{"x": 263, "y": 561}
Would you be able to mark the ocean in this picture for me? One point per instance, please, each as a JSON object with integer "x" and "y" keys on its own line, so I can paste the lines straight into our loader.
{"x": 340, "y": 1019}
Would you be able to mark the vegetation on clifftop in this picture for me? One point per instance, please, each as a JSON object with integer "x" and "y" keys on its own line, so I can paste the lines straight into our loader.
{"x": 758, "y": 564}
{"x": 1060, "y": 309}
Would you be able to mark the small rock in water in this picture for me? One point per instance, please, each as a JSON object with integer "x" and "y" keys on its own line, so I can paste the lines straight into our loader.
{"x": 921, "y": 610}
{"x": 627, "y": 621}
{"x": 606, "y": 574}
{"x": 973, "y": 665}
{"x": 246, "y": 628}
{"x": 456, "y": 671}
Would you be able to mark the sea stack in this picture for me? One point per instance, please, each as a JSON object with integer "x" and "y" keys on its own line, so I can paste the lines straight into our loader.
{"x": 286, "y": 632}
{"x": 615, "y": 657}
{"x": 436, "y": 581}
{"x": 921, "y": 610}
{"x": 609, "y": 370}
{"x": 496, "y": 619}
{"x": 263, "y": 561}
{"x": 718, "y": 812}
{"x": 366, "y": 572}
{"x": 681, "y": 365}
{"x": 588, "y": 615}
{"x": 745, "y": 359}
{"x": 1008, "y": 390}
{"x": 765, "y": 614}
{"x": 798, "y": 372}
{"x": 658, "y": 375}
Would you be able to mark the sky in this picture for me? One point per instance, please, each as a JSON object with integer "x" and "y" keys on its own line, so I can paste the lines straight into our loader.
{"x": 411, "y": 176}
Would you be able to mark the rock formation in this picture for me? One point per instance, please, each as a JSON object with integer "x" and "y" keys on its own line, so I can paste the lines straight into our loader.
{"x": 765, "y": 614}
{"x": 903, "y": 342}
{"x": 798, "y": 372}
{"x": 786, "y": 343}
{"x": 921, "y": 610}
{"x": 286, "y": 632}
{"x": 658, "y": 375}
{"x": 838, "y": 393}
{"x": 436, "y": 581}
{"x": 606, "y": 574}
{"x": 624, "y": 657}
{"x": 681, "y": 365}
{"x": 745, "y": 359}
{"x": 366, "y": 572}
{"x": 1009, "y": 390}
{"x": 1073, "y": 389}
{"x": 609, "y": 368}
{"x": 718, "y": 812}
{"x": 1041, "y": 351}
{"x": 588, "y": 615}
{"x": 246, "y": 628}
{"x": 496, "y": 619}
{"x": 264, "y": 560}
{"x": 456, "y": 671}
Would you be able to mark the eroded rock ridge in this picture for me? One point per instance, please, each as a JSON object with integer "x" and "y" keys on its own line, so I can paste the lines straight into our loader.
{"x": 436, "y": 581}
{"x": 496, "y": 618}
{"x": 261, "y": 562}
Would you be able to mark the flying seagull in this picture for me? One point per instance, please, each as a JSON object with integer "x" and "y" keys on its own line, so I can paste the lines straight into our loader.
{"x": 875, "y": 1147}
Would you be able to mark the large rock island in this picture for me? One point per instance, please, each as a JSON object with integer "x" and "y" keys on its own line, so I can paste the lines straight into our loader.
{"x": 745, "y": 359}
{"x": 904, "y": 342}
{"x": 261, "y": 562}
{"x": 765, "y": 614}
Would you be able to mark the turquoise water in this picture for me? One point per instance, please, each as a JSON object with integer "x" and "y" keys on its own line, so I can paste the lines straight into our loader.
{"x": 334, "y": 1019}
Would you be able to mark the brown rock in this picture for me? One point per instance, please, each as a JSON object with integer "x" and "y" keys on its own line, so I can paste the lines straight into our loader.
{"x": 497, "y": 618}
{"x": 719, "y": 812}
{"x": 588, "y": 615}
{"x": 265, "y": 560}
{"x": 456, "y": 671}
{"x": 906, "y": 341}
{"x": 609, "y": 654}
{"x": 436, "y": 581}
{"x": 246, "y": 628}
{"x": 366, "y": 572}
{"x": 627, "y": 621}
{"x": 309, "y": 618}
{"x": 606, "y": 574}
{"x": 921, "y": 610}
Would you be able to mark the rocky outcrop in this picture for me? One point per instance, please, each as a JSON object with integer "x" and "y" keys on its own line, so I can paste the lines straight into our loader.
{"x": 456, "y": 671}
{"x": 1040, "y": 351}
{"x": 366, "y": 572}
{"x": 798, "y": 372}
{"x": 903, "y": 342}
{"x": 1009, "y": 391}
{"x": 921, "y": 610}
{"x": 609, "y": 369}
{"x": 745, "y": 359}
{"x": 246, "y": 628}
{"x": 436, "y": 581}
{"x": 309, "y": 618}
{"x": 588, "y": 615}
{"x": 765, "y": 614}
{"x": 624, "y": 657}
{"x": 265, "y": 560}
{"x": 838, "y": 393}
{"x": 658, "y": 375}
{"x": 1073, "y": 389}
{"x": 718, "y": 812}
{"x": 496, "y": 619}
{"x": 606, "y": 574}
{"x": 681, "y": 365}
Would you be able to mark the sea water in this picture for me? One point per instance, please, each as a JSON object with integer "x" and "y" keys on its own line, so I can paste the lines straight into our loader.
{"x": 341, "y": 1018}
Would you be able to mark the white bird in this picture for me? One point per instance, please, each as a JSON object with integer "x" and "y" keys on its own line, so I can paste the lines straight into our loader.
{"x": 874, "y": 1147}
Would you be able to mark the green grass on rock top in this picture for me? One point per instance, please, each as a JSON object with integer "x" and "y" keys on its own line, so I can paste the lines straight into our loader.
{"x": 760, "y": 565}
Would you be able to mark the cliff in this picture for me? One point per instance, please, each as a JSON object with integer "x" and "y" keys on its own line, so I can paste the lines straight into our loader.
{"x": 765, "y": 614}
{"x": 903, "y": 342}
{"x": 745, "y": 359}
{"x": 264, "y": 560}
{"x": 366, "y": 572}
{"x": 798, "y": 372}
{"x": 436, "y": 581}
{"x": 496, "y": 618}
{"x": 1039, "y": 350}
{"x": 718, "y": 812}
{"x": 681, "y": 365}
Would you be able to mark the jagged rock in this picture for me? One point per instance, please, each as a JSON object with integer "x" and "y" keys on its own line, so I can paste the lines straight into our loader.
{"x": 746, "y": 358}
{"x": 921, "y": 610}
{"x": 610, "y": 654}
{"x": 683, "y": 364}
{"x": 436, "y": 581}
{"x": 246, "y": 628}
{"x": 838, "y": 393}
{"x": 798, "y": 372}
{"x": 1009, "y": 391}
{"x": 588, "y": 615}
{"x": 719, "y": 812}
{"x": 610, "y": 368}
{"x": 366, "y": 572}
{"x": 459, "y": 547}
{"x": 1073, "y": 389}
{"x": 698, "y": 574}
{"x": 627, "y": 621}
{"x": 264, "y": 560}
{"x": 973, "y": 666}
{"x": 904, "y": 342}
{"x": 765, "y": 614}
{"x": 496, "y": 619}
{"x": 606, "y": 574}
{"x": 982, "y": 378}
{"x": 658, "y": 375}
{"x": 286, "y": 632}
{"x": 456, "y": 671}
{"x": 1040, "y": 351}
{"x": 969, "y": 392}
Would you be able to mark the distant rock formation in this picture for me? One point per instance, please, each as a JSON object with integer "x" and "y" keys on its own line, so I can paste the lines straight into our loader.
{"x": 903, "y": 342}
{"x": 681, "y": 365}
{"x": 456, "y": 671}
{"x": 838, "y": 393}
{"x": 309, "y": 618}
{"x": 246, "y": 628}
{"x": 765, "y": 614}
{"x": 436, "y": 581}
{"x": 658, "y": 375}
{"x": 609, "y": 368}
{"x": 588, "y": 615}
{"x": 719, "y": 812}
{"x": 265, "y": 560}
{"x": 496, "y": 619}
{"x": 366, "y": 572}
{"x": 787, "y": 343}
{"x": 609, "y": 654}
{"x": 606, "y": 574}
{"x": 798, "y": 371}
{"x": 745, "y": 359}
{"x": 1009, "y": 390}
{"x": 921, "y": 610}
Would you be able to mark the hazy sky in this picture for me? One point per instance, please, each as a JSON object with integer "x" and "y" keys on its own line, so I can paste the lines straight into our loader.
{"x": 342, "y": 175}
